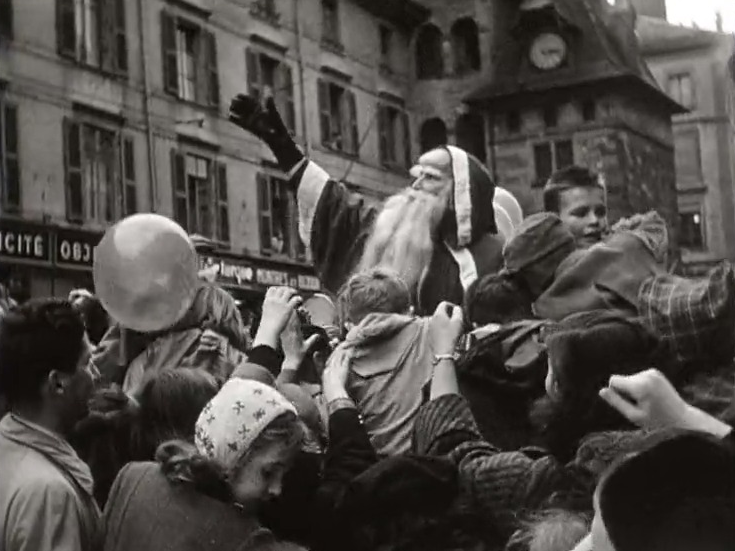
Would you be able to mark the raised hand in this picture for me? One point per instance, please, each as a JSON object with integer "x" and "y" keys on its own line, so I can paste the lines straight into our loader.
{"x": 278, "y": 306}
{"x": 445, "y": 328}
{"x": 263, "y": 121}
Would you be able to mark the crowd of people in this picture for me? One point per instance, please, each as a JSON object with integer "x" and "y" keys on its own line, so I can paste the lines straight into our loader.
{"x": 537, "y": 383}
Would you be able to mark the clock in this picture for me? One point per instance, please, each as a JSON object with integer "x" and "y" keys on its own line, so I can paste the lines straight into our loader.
{"x": 548, "y": 51}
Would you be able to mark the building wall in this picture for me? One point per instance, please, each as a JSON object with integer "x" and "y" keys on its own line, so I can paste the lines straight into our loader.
{"x": 711, "y": 192}
{"x": 47, "y": 88}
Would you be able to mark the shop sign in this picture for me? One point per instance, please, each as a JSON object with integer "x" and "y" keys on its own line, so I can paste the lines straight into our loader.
{"x": 227, "y": 272}
{"x": 297, "y": 281}
{"x": 24, "y": 242}
{"x": 76, "y": 248}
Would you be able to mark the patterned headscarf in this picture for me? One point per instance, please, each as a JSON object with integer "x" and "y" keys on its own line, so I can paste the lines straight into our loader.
{"x": 232, "y": 420}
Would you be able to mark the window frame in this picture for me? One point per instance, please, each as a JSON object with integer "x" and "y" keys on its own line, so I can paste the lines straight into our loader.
{"x": 693, "y": 210}
{"x": 6, "y": 20}
{"x": 331, "y": 34}
{"x": 111, "y": 35}
{"x": 677, "y": 78}
{"x": 6, "y": 157}
{"x": 389, "y": 115}
{"x": 123, "y": 184}
{"x": 346, "y": 107}
{"x": 294, "y": 249}
{"x": 206, "y": 61}
{"x": 553, "y": 145}
{"x": 218, "y": 194}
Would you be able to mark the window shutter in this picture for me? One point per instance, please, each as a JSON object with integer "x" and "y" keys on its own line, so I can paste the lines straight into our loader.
{"x": 284, "y": 96}
{"x": 407, "y": 160}
{"x": 252, "y": 68}
{"x": 73, "y": 185}
{"x": 129, "y": 189}
{"x": 120, "y": 38}
{"x": 9, "y": 165}
{"x": 6, "y": 18}
{"x": 264, "y": 212}
{"x": 178, "y": 185}
{"x": 383, "y": 134}
{"x": 66, "y": 36}
{"x": 169, "y": 57}
{"x": 325, "y": 114}
{"x": 106, "y": 12}
{"x": 352, "y": 123}
{"x": 222, "y": 205}
{"x": 211, "y": 74}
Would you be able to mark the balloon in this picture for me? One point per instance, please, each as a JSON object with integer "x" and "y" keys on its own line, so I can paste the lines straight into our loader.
{"x": 322, "y": 310}
{"x": 145, "y": 272}
{"x": 510, "y": 204}
{"x": 504, "y": 223}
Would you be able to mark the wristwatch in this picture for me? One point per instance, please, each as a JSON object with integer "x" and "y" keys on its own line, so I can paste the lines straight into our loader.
{"x": 438, "y": 358}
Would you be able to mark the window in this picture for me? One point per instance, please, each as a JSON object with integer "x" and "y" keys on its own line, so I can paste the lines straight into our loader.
{"x": 688, "y": 156}
{"x": 200, "y": 195}
{"x": 189, "y": 61}
{"x": 92, "y": 33}
{"x": 551, "y": 116}
{"x": 433, "y": 134}
{"x": 470, "y": 132}
{"x": 429, "y": 53}
{"x": 269, "y": 76}
{"x": 550, "y": 157}
{"x": 99, "y": 163}
{"x": 6, "y": 18}
{"x": 278, "y": 218}
{"x": 691, "y": 230}
{"x": 265, "y": 10}
{"x": 395, "y": 137}
{"x": 386, "y": 48}
{"x": 330, "y": 24}
{"x": 465, "y": 46}
{"x": 338, "y": 117}
{"x": 9, "y": 165}
{"x": 681, "y": 88}
{"x": 513, "y": 122}
{"x": 589, "y": 111}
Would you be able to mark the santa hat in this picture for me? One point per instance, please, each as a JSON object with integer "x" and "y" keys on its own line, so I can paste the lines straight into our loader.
{"x": 471, "y": 214}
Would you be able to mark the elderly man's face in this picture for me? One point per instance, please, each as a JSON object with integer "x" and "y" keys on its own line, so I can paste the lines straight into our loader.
{"x": 433, "y": 173}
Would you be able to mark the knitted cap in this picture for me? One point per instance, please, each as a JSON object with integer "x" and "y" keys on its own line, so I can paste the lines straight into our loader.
{"x": 232, "y": 420}
{"x": 537, "y": 247}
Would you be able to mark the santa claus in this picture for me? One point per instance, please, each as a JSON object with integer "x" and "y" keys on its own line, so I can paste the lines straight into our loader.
{"x": 439, "y": 233}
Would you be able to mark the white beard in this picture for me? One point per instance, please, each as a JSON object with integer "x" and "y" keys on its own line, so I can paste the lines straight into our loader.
{"x": 401, "y": 239}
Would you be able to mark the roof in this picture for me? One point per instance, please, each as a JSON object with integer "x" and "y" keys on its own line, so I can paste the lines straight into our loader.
{"x": 602, "y": 46}
{"x": 406, "y": 14}
{"x": 656, "y": 36}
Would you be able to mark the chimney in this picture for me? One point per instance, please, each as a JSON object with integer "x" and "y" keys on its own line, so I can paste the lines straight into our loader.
{"x": 718, "y": 21}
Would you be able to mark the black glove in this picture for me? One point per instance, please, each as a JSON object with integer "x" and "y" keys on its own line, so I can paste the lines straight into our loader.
{"x": 248, "y": 113}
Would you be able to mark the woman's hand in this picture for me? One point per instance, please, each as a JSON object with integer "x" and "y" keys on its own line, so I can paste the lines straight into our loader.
{"x": 279, "y": 304}
{"x": 295, "y": 348}
{"x": 649, "y": 400}
{"x": 445, "y": 328}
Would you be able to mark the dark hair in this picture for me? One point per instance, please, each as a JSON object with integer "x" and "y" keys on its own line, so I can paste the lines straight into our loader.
{"x": 36, "y": 338}
{"x": 566, "y": 178}
{"x": 170, "y": 403}
{"x": 584, "y": 350}
{"x": 181, "y": 462}
{"x": 497, "y": 298}
{"x": 95, "y": 318}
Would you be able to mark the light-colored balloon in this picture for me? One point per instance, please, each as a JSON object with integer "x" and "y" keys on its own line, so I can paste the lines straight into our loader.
{"x": 503, "y": 221}
{"x": 322, "y": 310}
{"x": 510, "y": 204}
{"x": 145, "y": 272}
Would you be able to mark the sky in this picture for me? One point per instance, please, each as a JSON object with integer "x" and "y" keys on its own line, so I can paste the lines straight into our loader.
{"x": 702, "y": 12}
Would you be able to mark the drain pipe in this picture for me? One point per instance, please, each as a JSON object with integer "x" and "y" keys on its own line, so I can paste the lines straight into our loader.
{"x": 153, "y": 183}
{"x": 302, "y": 94}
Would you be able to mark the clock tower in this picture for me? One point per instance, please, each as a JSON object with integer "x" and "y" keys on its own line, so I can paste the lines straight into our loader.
{"x": 570, "y": 87}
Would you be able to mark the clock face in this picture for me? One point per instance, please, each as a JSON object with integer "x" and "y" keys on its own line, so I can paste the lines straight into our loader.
{"x": 548, "y": 51}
